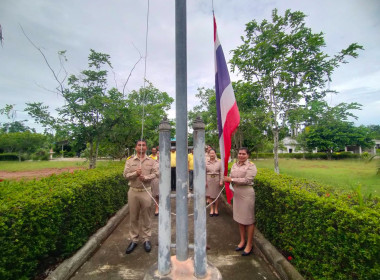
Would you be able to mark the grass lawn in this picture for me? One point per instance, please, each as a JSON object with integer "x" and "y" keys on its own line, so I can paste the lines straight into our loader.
{"x": 35, "y": 165}
{"x": 344, "y": 174}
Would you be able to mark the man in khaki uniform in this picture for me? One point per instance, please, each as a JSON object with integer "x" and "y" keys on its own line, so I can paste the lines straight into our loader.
{"x": 140, "y": 170}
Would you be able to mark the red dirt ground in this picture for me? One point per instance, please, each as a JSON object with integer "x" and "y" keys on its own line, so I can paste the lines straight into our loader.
{"x": 37, "y": 174}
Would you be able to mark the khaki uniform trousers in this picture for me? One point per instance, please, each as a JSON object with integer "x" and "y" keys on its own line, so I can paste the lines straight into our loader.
{"x": 139, "y": 203}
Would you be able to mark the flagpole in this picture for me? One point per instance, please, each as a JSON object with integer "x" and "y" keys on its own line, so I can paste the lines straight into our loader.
{"x": 182, "y": 235}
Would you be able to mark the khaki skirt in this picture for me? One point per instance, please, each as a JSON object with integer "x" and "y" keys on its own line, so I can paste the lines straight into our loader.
{"x": 213, "y": 187}
{"x": 244, "y": 205}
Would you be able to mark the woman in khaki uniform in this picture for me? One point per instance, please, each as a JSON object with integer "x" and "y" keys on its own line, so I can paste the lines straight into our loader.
{"x": 242, "y": 174}
{"x": 213, "y": 181}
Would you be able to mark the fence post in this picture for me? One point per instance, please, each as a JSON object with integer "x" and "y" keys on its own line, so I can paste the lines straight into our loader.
{"x": 200, "y": 236}
{"x": 164, "y": 222}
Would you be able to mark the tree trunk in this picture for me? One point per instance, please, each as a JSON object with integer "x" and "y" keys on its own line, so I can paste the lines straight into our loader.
{"x": 240, "y": 139}
{"x": 96, "y": 152}
{"x": 275, "y": 150}
{"x": 329, "y": 155}
{"x": 275, "y": 128}
{"x": 91, "y": 155}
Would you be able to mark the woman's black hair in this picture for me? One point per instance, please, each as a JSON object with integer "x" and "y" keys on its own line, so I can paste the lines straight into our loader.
{"x": 246, "y": 150}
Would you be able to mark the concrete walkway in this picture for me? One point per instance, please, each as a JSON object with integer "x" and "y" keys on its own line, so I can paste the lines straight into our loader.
{"x": 109, "y": 261}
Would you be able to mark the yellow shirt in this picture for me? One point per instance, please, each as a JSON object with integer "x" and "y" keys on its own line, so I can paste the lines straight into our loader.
{"x": 173, "y": 159}
{"x": 153, "y": 157}
{"x": 190, "y": 160}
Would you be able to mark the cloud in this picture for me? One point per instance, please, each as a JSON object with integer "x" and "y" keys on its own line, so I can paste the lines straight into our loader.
{"x": 118, "y": 28}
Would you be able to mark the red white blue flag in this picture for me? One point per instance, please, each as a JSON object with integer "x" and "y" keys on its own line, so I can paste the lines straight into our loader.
{"x": 226, "y": 107}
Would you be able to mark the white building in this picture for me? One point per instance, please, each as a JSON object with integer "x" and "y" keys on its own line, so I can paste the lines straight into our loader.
{"x": 290, "y": 145}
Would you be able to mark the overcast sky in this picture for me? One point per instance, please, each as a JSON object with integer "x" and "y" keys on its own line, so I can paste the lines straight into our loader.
{"x": 118, "y": 28}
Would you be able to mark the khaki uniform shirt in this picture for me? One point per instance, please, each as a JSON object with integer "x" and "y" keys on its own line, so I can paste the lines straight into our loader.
{"x": 149, "y": 169}
{"x": 214, "y": 168}
{"x": 244, "y": 174}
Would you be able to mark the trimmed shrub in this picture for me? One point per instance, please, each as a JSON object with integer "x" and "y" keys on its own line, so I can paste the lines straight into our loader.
{"x": 10, "y": 157}
{"x": 345, "y": 155}
{"x": 340, "y": 155}
{"x": 262, "y": 155}
{"x": 54, "y": 217}
{"x": 328, "y": 234}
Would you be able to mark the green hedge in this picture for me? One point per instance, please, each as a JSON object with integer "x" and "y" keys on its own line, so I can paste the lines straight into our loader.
{"x": 341, "y": 155}
{"x": 10, "y": 157}
{"x": 41, "y": 154}
{"x": 327, "y": 235}
{"x": 53, "y": 217}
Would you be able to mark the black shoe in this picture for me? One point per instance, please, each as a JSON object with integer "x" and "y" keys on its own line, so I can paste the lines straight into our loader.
{"x": 131, "y": 247}
{"x": 244, "y": 254}
{"x": 147, "y": 246}
{"x": 216, "y": 214}
{"x": 156, "y": 214}
{"x": 237, "y": 249}
{"x": 211, "y": 215}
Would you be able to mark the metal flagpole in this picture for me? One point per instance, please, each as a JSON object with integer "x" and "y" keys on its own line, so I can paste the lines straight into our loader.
{"x": 182, "y": 236}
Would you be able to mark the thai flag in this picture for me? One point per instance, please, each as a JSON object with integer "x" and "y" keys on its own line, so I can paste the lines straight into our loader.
{"x": 226, "y": 107}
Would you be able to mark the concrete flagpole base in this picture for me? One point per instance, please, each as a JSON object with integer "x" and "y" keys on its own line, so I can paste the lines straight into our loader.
{"x": 183, "y": 271}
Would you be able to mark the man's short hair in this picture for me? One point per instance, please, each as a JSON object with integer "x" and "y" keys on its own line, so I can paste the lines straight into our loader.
{"x": 140, "y": 140}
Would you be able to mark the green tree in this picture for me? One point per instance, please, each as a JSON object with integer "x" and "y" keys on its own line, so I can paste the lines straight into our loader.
{"x": 22, "y": 142}
{"x": 285, "y": 61}
{"x": 207, "y": 111}
{"x": 253, "y": 122}
{"x": 144, "y": 110}
{"x": 334, "y": 136}
{"x": 331, "y": 131}
{"x": 375, "y": 131}
{"x": 13, "y": 125}
{"x": 89, "y": 111}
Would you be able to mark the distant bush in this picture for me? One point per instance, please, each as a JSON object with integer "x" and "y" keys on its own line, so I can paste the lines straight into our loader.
{"x": 70, "y": 154}
{"x": 10, "y": 157}
{"x": 329, "y": 235}
{"x": 54, "y": 217}
{"x": 41, "y": 154}
{"x": 262, "y": 155}
{"x": 365, "y": 155}
{"x": 341, "y": 155}
{"x": 345, "y": 155}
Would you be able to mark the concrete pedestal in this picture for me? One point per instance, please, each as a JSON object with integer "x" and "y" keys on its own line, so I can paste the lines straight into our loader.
{"x": 182, "y": 271}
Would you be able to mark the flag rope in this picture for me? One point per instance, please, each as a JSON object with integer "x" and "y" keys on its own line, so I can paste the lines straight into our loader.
{"x": 143, "y": 113}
